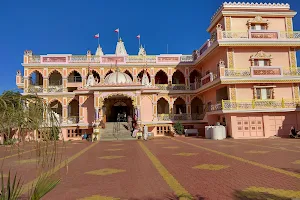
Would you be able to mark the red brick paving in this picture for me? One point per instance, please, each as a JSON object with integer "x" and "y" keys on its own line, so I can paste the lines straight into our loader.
{"x": 142, "y": 181}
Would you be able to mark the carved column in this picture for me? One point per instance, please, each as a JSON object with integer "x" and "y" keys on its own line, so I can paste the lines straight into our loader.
{"x": 230, "y": 61}
{"x": 227, "y": 23}
{"x": 65, "y": 110}
{"x": 232, "y": 92}
{"x": 189, "y": 111}
{"x": 152, "y": 79}
{"x": 26, "y": 84}
{"x": 293, "y": 61}
{"x": 154, "y": 107}
{"x": 296, "y": 91}
{"x": 45, "y": 84}
{"x": 81, "y": 114}
{"x": 288, "y": 24}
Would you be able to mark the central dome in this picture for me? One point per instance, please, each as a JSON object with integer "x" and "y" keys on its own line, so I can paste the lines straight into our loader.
{"x": 117, "y": 78}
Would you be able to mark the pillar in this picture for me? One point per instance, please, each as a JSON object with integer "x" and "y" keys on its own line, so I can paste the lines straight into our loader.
{"x": 65, "y": 110}
{"x": 152, "y": 79}
{"x": 45, "y": 84}
{"x": 189, "y": 111}
{"x": 97, "y": 114}
{"x": 81, "y": 114}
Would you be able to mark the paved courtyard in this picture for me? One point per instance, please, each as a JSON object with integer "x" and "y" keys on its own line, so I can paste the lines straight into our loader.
{"x": 169, "y": 168}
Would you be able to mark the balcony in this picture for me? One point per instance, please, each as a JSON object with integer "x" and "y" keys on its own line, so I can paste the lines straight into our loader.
{"x": 229, "y": 105}
{"x": 260, "y": 35}
{"x": 257, "y": 71}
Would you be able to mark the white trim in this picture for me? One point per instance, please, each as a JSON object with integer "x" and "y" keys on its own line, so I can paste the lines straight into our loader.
{"x": 253, "y": 111}
{"x": 267, "y": 86}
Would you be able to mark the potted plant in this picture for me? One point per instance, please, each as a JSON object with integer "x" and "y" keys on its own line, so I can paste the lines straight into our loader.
{"x": 179, "y": 129}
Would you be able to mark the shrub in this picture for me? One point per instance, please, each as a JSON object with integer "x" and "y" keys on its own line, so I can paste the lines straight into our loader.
{"x": 178, "y": 127}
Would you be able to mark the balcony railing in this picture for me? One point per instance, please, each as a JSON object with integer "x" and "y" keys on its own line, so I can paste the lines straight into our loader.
{"x": 75, "y": 79}
{"x": 255, "y": 104}
{"x": 35, "y": 89}
{"x": 263, "y": 34}
{"x": 73, "y": 120}
{"x": 175, "y": 117}
{"x": 55, "y": 88}
{"x": 171, "y": 87}
{"x": 257, "y": 71}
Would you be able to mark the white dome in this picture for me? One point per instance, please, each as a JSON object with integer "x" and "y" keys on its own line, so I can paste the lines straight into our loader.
{"x": 117, "y": 78}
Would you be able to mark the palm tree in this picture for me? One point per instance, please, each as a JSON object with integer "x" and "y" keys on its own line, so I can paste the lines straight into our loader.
{"x": 19, "y": 116}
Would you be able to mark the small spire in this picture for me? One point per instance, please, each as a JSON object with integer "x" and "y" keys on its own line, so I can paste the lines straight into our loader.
{"x": 120, "y": 48}
{"x": 142, "y": 51}
{"x": 99, "y": 51}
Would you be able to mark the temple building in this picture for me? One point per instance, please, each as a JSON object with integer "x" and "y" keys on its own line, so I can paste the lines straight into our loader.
{"x": 244, "y": 76}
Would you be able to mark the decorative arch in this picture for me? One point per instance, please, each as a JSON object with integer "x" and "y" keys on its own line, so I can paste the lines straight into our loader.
{"x": 35, "y": 70}
{"x": 179, "y": 106}
{"x": 56, "y": 106}
{"x": 161, "y": 77}
{"x": 74, "y": 76}
{"x": 178, "y": 77}
{"x": 197, "y": 108}
{"x": 55, "y": 78}
{"x": 130, "y": 95}
{"x": 74, "y": 70}
{"x": 129, "y": 74}
{"x": 55, "y": 99}
{"x": 53, "y": 70}
{"x": 140, "y": 75}
{"x": 107, "y": 73}
{"x": 179, "y": 69}
{"x": 195, "y": 74}
{"x": 36, "y": 78}
{"x": 163, "y": 106}
{"x": 96, "y": 76}
{"x": 161, "y": 69}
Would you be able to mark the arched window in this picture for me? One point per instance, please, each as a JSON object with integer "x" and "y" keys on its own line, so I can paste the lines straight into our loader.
{"x": 55, "y": 78}
{"x": 179, "y": 106}
{"x": 74, "y": 77}
{"x": 162, "y": 106}
{"x": 178, "y": 78}
{"x": 197, "y": 108}
{"x": 161, "y": 78}
{"x": 73, "y": 111}
{"x": 36, "y": 78}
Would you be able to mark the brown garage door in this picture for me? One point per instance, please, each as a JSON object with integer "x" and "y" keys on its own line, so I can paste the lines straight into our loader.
{"x": 280, "y": 125}
{"x": 250, "y": 126}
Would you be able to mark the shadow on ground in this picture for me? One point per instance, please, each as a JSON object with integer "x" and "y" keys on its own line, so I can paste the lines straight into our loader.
{"x": 247, "y": 195}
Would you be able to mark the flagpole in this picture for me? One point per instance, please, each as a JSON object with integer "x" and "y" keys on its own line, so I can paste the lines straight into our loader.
{"x": 98, "y": 41}
{"x": 139, "y": 42}
{"x": 118, "y": 34}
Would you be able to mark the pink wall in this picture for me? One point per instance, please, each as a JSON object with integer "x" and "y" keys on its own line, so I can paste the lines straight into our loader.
{"x": 146, "y": 109}
{"x": 240, "y": 23}
{"x": 211, "y": 62}
{"x": 242, "y": 56}
{"x": 89, "y": 110}
{"x": 245, "y": 91}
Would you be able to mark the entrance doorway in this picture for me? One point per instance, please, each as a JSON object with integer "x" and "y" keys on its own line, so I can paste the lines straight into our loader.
{"x": 118, "y": 107}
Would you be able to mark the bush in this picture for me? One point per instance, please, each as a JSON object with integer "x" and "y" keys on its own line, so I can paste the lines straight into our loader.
{"x": 178, "y": 127}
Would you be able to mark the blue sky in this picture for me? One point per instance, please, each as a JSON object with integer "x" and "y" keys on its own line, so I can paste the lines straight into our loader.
{"x": 68, "y": 26}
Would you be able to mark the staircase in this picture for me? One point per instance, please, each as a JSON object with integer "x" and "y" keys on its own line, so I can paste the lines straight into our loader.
{"x": 115, "y": 131}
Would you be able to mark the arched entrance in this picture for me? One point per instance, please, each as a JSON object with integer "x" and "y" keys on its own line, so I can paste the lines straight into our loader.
{"x": 117, "y": 105}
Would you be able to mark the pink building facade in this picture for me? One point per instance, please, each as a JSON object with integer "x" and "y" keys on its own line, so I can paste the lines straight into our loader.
{"x": 244, "y": 76}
